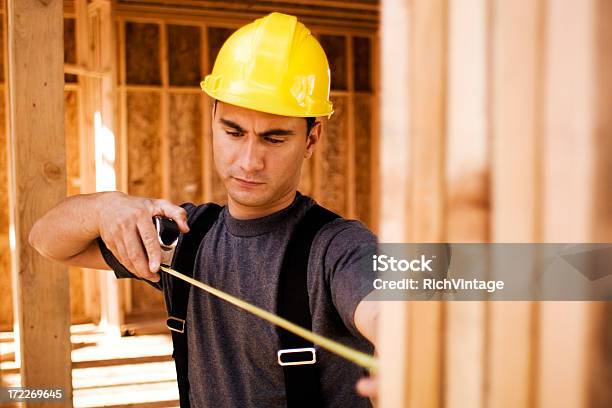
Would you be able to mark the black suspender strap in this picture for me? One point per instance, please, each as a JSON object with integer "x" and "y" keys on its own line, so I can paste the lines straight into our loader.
{"x": 176, "y": 291}
{"x": 302, "y": 384}
{"x": 297, "y": 355}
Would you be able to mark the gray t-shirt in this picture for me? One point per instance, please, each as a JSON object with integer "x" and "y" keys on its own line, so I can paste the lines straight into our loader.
{"x": 232, "y": 353}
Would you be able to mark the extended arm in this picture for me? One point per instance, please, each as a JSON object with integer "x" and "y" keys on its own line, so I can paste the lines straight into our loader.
{"x": 68, "y": 232}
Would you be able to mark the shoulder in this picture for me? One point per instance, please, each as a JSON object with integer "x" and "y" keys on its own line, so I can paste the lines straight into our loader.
{"x": 343, "y": 236}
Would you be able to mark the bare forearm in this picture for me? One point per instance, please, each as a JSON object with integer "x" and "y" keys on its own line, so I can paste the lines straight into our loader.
{"x": 68, "y": 228}
{"x": 67, "y": 232}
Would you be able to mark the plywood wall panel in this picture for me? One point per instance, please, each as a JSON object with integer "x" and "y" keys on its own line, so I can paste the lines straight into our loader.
{"x": 333, "y": 176}
{"x": 336, "y": 50}
{"x": 144, "y": 141}
{"x": 71, "y": 129}
{"x": 144, "y": 172}
{"x": 185, "y": 147}
{"x": 142, "y": 62}
{"x": 70, "y": 56}
{"x": 184, "y": 55}
{"x": 362, "y": 64}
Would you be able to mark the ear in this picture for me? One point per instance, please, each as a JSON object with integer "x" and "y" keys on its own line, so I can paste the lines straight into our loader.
{"x": 312, "y": 139}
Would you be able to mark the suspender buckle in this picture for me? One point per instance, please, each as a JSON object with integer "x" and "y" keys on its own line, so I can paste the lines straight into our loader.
{"x": 175, "y": 324}
{"x": 297, "y": 356}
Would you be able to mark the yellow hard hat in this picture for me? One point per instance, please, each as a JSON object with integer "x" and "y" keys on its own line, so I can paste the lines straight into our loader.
{"x": 273, "y": 65}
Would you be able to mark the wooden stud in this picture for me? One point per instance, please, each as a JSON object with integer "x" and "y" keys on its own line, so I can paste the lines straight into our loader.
{"x": 350, "y": 148}
{"x": 91, "y": 284}
{"x": 515, "y": 98}
{"x": 375, "y": 195}
{"x": 568, "y": 131}
{"x": 37, "y": 181}
{"x": 6, "y": 297}
{"x": 426, "y": 210}
{"x": 111, "y": 291}
{"x": 394, "y": 327}
{"x": 413, "y": 118}
{"x": 165, "y": 150}
{"x": 207, "y": 165}
{"x": 121, "y": 139}
{"x": 467, "y": 213}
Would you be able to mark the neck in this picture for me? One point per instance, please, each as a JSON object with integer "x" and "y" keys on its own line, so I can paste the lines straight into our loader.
{"x": 245, "y": 212}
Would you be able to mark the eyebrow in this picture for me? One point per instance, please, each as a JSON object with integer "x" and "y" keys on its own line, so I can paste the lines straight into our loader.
{"x": 269, "y": 132}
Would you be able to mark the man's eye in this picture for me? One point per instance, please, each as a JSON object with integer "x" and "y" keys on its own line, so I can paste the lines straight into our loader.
{"x": 234, "y": 134}
{"x": 274, "y": 140}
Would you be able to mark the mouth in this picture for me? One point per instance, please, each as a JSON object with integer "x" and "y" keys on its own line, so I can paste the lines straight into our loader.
{"x": 247, "y": 183}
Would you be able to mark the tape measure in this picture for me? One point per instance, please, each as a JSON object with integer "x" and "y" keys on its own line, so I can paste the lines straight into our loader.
{"x": 362, "y": 359}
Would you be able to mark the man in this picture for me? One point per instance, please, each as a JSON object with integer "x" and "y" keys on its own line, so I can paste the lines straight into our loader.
{"x": 270, "y": 82}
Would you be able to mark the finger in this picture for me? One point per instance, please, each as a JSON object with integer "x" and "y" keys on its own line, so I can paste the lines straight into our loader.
{"x": 136, "y": 254}
{"x": 148, "y": 235}
{"x": 121, "y": 254}
{"x": 367, "y": 387}
{"x": 178, "y": 214}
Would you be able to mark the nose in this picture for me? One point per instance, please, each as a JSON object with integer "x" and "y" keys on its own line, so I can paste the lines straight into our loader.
{"x": 250, "y": 157}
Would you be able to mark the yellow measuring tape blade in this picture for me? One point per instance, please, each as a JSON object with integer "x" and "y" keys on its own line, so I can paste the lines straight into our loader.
{"x": 356, "y": 356}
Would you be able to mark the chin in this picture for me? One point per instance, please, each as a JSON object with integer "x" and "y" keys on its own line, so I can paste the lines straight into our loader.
{"x": 250, "y": 198}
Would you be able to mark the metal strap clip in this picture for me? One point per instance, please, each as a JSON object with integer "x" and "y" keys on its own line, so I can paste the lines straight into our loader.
{"x": 307, "y": 355}
{"x": 175, "y": 324}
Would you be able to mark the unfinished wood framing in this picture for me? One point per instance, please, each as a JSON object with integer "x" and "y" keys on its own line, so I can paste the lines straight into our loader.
{"x": 567, "y": 131}
{"x": 394, "y": 348}
{"x": 37, "y": 181}
{"x": 467, "y": 207}
{"x": 515, "y": 103}
{"x": 6, "y": 296}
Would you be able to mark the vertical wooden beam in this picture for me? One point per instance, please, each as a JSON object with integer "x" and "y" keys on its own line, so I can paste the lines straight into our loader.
{"x": 164, "y": 108}
{"x": 350, "y": 117}
{"x": 37, "y": 181}
{"x": 396, "y": 63}
{"x": 601, "y": 373}
{"x": 207, "y": 166}
{"x": 121, "y": 136}
{"x": 467, "y": 192}
{"x": 87, "y": 146}
{"x": 111, "y": 291}
{"x": 428, "y": 105}
{"x": 516, "y": 51}
{"x": 375, "y": 194}
{"x": 413, "y": 126}
{"x": 569, "y": 132}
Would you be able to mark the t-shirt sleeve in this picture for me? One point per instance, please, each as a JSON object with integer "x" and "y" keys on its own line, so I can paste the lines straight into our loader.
{"x": 348, "y": 260}
{"x": 121, "y": 272}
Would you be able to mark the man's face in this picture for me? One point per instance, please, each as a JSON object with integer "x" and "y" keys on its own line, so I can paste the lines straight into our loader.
{"x": 259, "y": 155}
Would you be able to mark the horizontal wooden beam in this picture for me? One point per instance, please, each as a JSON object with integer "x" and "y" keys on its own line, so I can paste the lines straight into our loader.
{"x": 313, "y": 18}
{"x": 79, "y": 70}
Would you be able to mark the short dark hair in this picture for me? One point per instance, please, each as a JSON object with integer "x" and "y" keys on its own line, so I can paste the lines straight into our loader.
{"x": 310, "y": 121}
